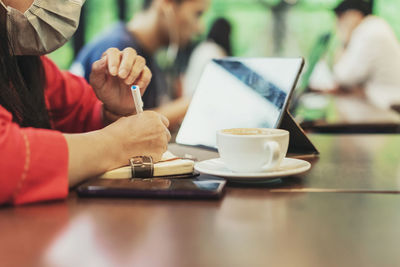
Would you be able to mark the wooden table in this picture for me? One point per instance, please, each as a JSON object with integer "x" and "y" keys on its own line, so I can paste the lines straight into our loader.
{"x": 250, "y": 226}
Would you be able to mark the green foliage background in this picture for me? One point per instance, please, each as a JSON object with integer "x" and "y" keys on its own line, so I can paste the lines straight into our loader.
{"x": 252, "y": 22}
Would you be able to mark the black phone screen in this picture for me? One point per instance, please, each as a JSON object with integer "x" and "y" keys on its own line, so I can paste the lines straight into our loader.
{"x": 203, "y": 186}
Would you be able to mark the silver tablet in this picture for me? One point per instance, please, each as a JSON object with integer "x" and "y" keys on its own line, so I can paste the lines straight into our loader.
{"x": 239, "y": 93}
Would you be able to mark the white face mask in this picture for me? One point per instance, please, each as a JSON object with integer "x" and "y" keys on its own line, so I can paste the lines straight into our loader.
{"x": 44, "y": 27}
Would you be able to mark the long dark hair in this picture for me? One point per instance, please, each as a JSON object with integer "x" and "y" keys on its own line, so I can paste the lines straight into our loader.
{"x": 220, "y": 33}
{"x": 22, "y": 84}
{"x": 364, "y": 6}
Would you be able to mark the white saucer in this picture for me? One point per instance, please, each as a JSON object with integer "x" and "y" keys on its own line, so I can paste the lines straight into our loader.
{"x": 288, "y": 167}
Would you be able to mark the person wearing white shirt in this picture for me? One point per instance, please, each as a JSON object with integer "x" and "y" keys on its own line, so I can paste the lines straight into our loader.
{"x": 371, "y": 54}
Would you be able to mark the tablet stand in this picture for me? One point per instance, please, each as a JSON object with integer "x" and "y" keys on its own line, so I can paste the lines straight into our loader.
{"x": 299, "y": 142}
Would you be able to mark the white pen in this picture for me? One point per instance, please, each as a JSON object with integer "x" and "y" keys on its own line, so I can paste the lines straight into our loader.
{"x": 137, "y": 98}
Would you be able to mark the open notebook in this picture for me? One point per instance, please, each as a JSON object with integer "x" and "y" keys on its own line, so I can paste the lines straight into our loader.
{"x": 170, "y": 165}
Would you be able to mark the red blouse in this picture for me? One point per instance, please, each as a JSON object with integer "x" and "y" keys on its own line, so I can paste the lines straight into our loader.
{"x": 34, "y": 162}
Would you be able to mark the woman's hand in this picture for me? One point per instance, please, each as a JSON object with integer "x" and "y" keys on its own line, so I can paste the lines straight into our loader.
{"x": 145, "y": 134}
{"x": 113, "y": 75}
{"x": 93, "y": 153}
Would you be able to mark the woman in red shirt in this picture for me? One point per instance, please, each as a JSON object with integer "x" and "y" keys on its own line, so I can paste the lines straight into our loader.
{"x": 51, "y": 122}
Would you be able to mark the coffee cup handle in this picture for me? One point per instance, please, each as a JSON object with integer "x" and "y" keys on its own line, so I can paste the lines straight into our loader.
{"x": 274, "y": 150}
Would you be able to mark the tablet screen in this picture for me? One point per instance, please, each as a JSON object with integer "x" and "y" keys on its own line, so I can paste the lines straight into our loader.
{"x": 239, "y": 93}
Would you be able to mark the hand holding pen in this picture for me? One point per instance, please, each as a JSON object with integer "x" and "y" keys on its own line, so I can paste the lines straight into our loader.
{"x": 113, "y": 75}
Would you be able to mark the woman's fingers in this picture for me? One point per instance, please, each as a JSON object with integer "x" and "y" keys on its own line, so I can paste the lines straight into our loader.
{"x": 98, "y": 74}
{"x": 136, "y": 70}
{"x": 144, "y": 79}
{"x": 113, "y": 56}
{"x": 128, "y": 60}
{"x": 128, "y": 66}
{"x": 164, "y": 120}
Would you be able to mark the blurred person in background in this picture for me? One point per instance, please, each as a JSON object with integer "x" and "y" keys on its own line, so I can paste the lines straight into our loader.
{"x": 370, "y": 54}
{"x": 161, "y": 24}
{"x": 217, "y": 45}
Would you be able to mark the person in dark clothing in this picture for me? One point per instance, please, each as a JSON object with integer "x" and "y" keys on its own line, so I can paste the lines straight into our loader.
{"x": 161, "y": 24}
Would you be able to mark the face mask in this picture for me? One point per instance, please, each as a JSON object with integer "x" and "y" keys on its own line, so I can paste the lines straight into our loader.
{"x": 44, "y": 27}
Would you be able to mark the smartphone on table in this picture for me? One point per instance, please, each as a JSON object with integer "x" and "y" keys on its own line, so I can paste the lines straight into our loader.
{"x": 200, "y": 187}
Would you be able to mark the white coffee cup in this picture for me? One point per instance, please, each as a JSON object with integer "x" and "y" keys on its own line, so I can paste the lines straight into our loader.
{"x": 252, "y": 149}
